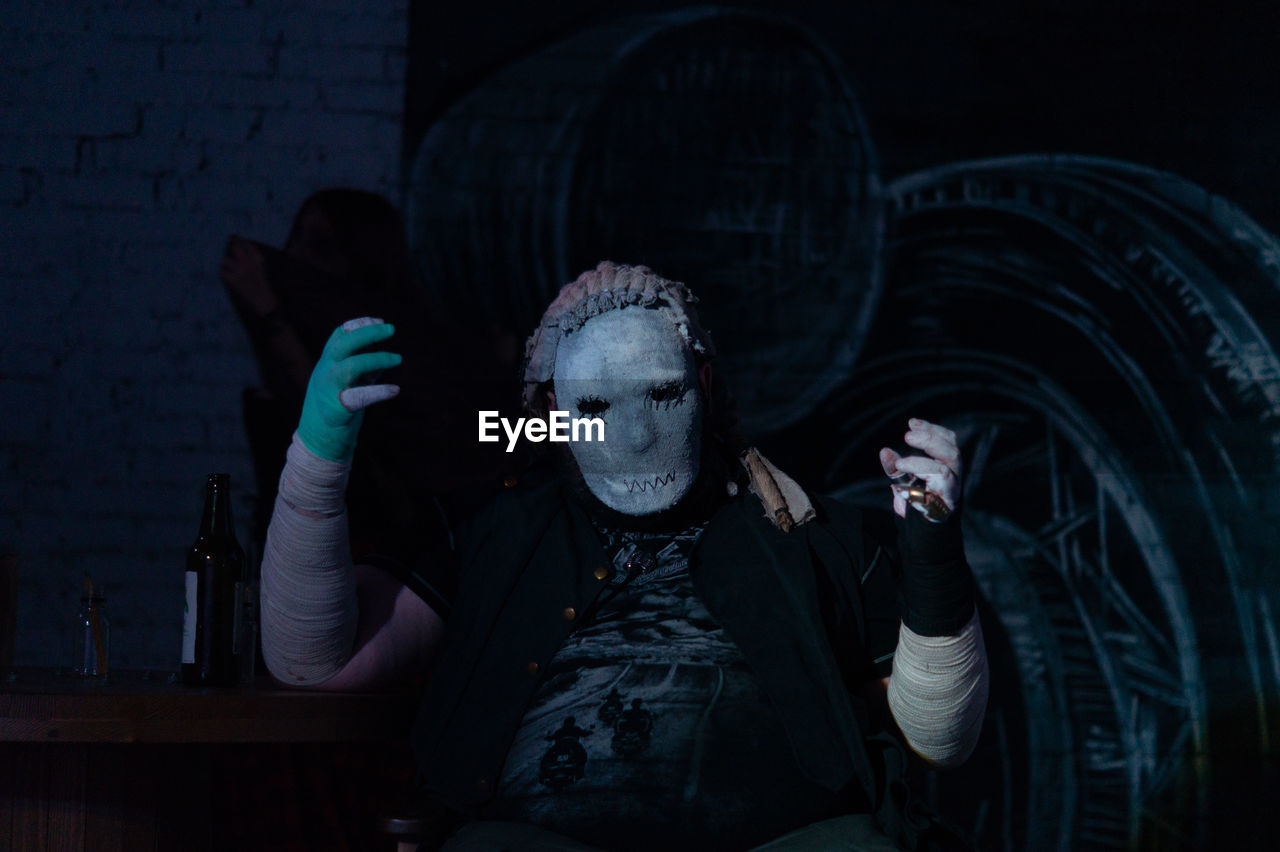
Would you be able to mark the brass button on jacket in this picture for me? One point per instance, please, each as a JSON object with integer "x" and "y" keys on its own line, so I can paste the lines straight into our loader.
{"x": 534, "y": 668}
{"x": 601, "y": 572}
{"x": 570, "y": 613}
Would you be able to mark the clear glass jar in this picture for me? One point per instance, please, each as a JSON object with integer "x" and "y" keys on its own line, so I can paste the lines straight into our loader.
{"x": 93, "y": 637}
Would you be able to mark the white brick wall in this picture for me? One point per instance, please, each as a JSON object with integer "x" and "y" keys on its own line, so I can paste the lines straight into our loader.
{"x": 134, "y": 137}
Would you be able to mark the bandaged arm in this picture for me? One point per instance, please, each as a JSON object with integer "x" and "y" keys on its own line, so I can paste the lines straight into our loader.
{"x": 326, "y": 622}
{"x": 938, "y": 692}
{"x": 940, "y": 682}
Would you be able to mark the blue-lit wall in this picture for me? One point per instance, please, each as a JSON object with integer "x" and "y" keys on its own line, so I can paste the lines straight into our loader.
{"x": 134, "y": 138}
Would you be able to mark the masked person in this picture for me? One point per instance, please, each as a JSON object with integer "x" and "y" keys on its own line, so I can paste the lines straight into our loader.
{"x": 660, "y": 640}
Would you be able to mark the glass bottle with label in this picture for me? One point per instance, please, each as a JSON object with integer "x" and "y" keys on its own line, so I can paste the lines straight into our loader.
{"x": 214, "y": 580}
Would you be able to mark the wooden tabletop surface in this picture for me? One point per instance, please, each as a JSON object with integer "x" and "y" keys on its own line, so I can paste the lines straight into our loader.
{"x": 54, "y": 705}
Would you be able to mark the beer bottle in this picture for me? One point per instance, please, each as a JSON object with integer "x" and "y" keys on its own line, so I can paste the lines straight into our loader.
{"x": 215, "y": 573}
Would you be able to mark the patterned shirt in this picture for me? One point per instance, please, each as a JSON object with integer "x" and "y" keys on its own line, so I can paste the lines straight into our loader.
{"x": 650, "y": 728}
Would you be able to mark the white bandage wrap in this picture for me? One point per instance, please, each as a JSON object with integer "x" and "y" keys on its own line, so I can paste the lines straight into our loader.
{"x": 938, "y": 692}
{"x": 308, "y": 599}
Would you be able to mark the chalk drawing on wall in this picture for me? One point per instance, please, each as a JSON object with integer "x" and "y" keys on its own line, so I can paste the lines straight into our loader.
{"x": 613, "y": 145}
{"x": 1097, "y": 333}
{"x": 1101, "y": 335}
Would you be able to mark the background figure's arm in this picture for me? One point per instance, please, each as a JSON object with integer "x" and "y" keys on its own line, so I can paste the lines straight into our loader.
{"x": 326, "y": 622}
{"x": 938, "y": 692}
{"x": 282, "y": 357}
{"x": 283, "y": 361}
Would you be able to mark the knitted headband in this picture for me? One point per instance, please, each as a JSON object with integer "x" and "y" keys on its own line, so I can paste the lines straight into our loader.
{"x": 606, "y": 288}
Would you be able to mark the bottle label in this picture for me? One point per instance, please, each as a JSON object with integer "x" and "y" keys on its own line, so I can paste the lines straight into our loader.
{"x": 189, "y": 619}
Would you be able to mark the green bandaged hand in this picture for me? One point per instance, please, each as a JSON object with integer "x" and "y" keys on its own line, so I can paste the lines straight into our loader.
{"x": 335, "y": 403}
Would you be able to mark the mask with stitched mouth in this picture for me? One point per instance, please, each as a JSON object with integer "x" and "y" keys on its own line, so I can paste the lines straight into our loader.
{"x": 633, "y": 370}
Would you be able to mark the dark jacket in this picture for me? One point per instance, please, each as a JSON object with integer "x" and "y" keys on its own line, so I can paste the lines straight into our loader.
{"x": 814, "y": 611}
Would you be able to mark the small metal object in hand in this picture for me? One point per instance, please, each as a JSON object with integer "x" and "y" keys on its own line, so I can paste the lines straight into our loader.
{"x": 913, "y": 490}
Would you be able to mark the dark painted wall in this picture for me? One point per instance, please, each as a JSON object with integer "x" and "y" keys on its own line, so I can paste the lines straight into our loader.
{"x": 1183, "y": 86}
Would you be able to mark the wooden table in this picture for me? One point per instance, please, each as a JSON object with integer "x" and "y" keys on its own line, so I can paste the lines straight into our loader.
{"x": 141, "y": 762}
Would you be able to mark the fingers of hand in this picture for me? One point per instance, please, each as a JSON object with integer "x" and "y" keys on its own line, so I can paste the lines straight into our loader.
{"x": 354, "y": 335}
{"x": 938, "y": 477}
{"x": 240, "y": 251}
{"x": 357, "y": 398}
{"x": 917, "y": 424}
{"x": 889, "y": 461}
{"x": 360, "y": 322}
{"x": 232, "y": 263}
{"x": 936, "y": 446}
{"x": 899, "y": 504}
{"x": 935, "y": 440}
{"x": 352, "y": 368}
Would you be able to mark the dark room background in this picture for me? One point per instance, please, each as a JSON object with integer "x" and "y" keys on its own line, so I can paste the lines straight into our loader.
{"x": 1048, "y": 224}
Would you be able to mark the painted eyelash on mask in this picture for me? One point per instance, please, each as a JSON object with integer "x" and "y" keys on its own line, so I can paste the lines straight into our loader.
{"x": 667, "y": 394}
{"x": 592, "y": 406}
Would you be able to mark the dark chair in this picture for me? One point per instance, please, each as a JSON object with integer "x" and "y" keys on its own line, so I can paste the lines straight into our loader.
{"x": 416, "y": 821}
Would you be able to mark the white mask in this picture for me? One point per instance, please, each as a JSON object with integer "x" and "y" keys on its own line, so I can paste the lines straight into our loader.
{"x": 633, "y": 370}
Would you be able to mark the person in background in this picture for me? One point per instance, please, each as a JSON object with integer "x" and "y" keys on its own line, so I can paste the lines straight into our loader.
{"x": 345, "y": 253}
